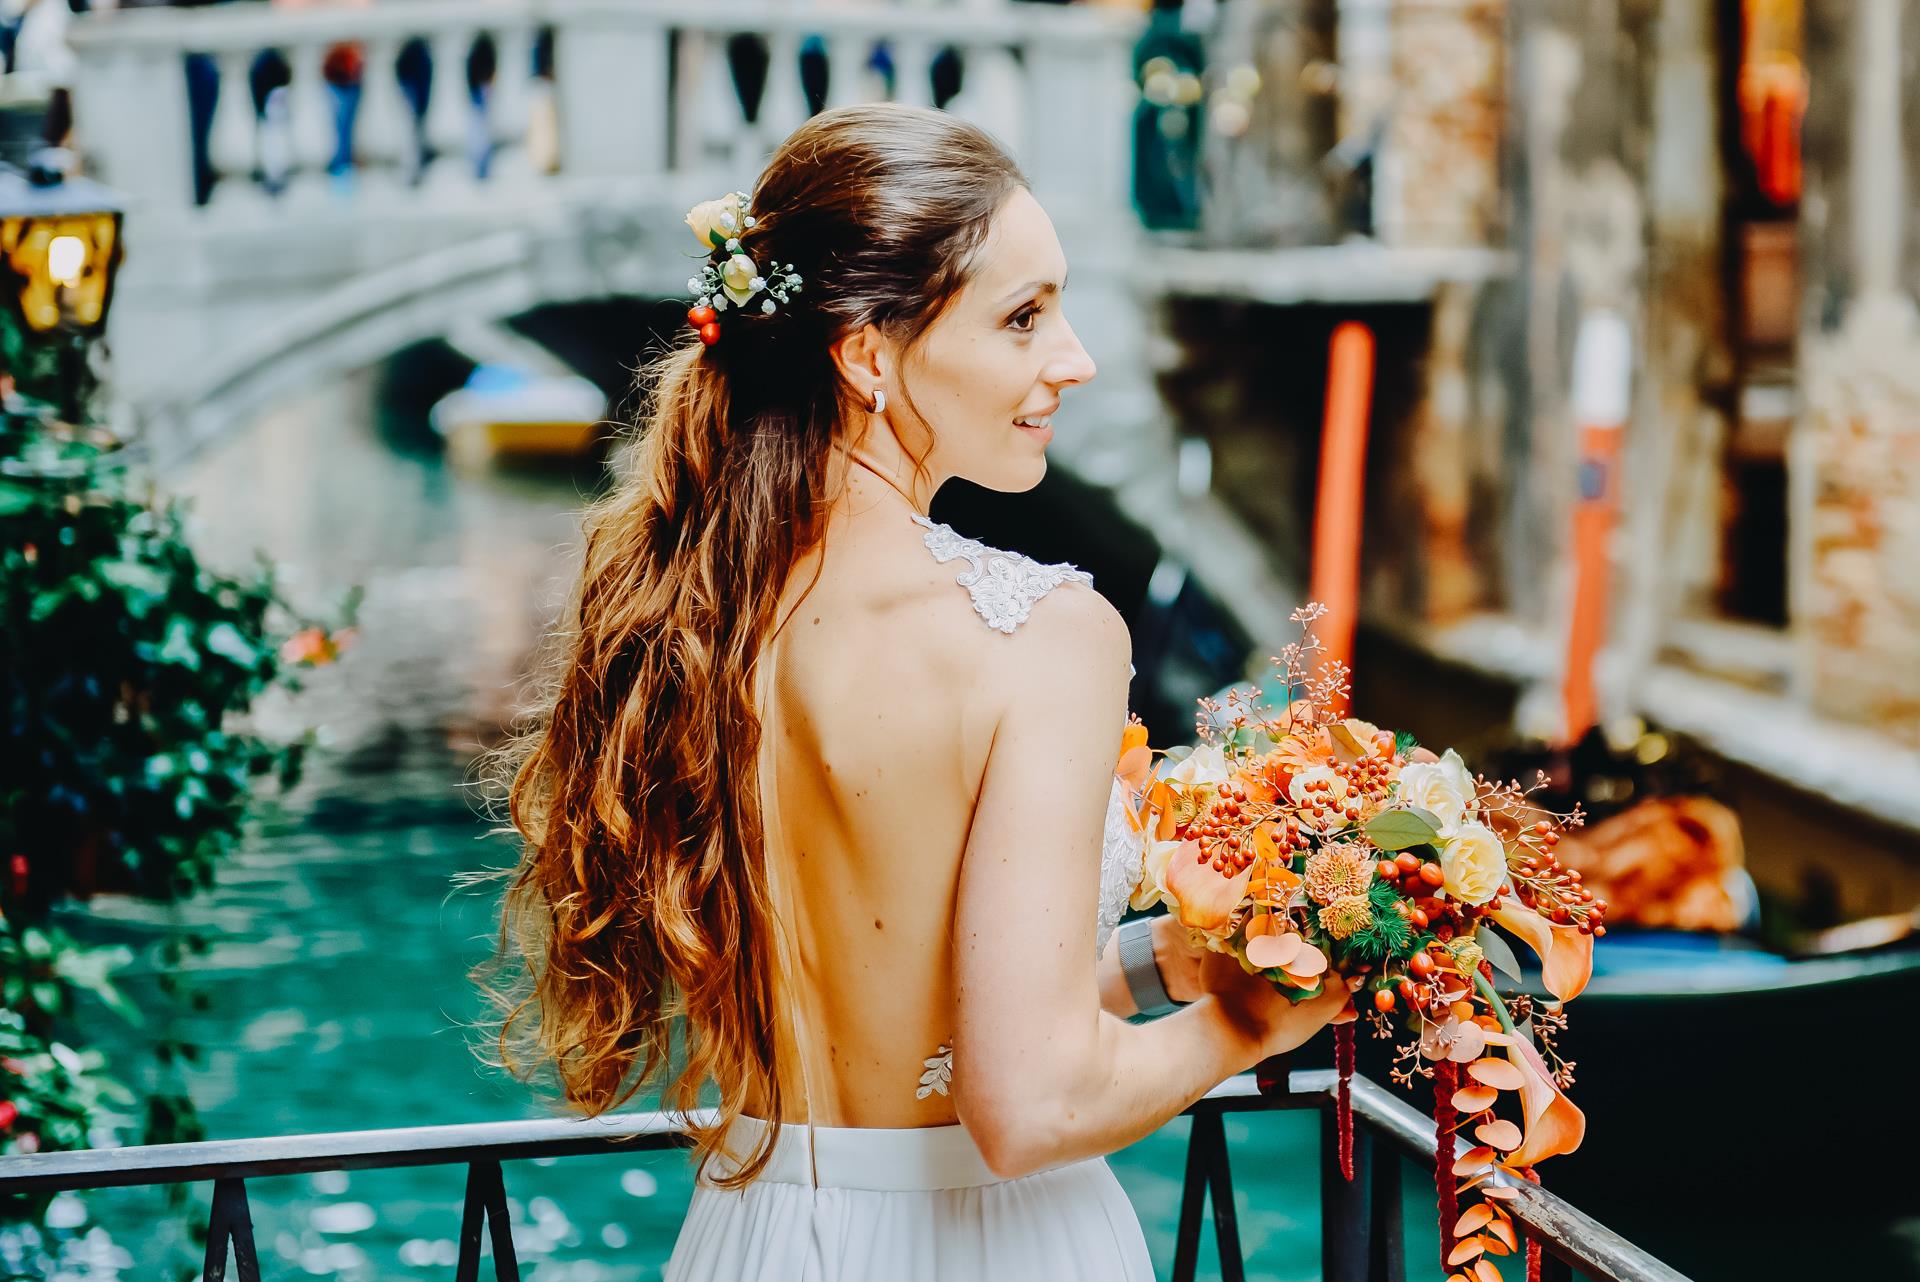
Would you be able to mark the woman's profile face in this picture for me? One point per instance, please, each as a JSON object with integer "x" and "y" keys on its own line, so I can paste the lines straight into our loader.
{"x": 988, "y": 374}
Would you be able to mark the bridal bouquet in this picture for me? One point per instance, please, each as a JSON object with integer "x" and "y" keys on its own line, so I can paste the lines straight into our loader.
{"x": 1315, "y": 847}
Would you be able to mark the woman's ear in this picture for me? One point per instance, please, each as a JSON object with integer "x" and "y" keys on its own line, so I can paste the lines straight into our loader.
{"x": 864, "y": 361}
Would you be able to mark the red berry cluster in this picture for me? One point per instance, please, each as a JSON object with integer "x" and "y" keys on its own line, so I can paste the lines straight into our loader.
{"x": 1553, "y": 891}
{"x": 707, "y": 322}
{"x": 1225, "y": 830}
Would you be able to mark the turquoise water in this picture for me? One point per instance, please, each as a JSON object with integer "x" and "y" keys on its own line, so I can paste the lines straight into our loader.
{"x": 336, "y": 985}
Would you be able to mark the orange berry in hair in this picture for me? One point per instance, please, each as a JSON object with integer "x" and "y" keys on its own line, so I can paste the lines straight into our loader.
{"x": 710, "y": 333}
{"x": 699, "y": 316}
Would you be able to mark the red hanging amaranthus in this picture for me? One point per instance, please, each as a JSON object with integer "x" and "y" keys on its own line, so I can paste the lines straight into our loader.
{"x": 1446, "y": 1080}
{"x": 1533, "y": 1244}
{"x": 1343, "y": 1101}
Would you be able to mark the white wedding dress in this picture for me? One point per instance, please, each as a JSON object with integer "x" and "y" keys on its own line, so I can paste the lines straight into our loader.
{"x": 920, "y": 1204}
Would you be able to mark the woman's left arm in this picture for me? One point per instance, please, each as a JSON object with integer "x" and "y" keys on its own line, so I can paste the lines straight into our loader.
{"x": 1177, "y": 960}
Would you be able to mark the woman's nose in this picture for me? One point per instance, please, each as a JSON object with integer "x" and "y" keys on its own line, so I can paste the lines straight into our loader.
{"x": 1071, "y": 364}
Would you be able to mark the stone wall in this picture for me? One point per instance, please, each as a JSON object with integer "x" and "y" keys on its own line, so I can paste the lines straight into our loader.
{"x": 1856, "y": 461}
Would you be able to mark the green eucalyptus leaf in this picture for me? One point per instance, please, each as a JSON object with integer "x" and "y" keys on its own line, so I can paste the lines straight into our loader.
{"x": 1497, "y": 951}
{"x": 1403, "y": 829}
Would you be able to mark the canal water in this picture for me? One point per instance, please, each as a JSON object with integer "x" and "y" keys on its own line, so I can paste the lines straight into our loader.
{"x": 336, "y": 987}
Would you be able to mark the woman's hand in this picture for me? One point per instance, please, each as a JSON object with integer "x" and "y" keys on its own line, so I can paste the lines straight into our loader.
{"x": 1271, "y": 1022}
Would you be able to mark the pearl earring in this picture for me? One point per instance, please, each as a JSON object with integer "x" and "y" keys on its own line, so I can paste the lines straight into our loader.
{"x": 879, "y": 405}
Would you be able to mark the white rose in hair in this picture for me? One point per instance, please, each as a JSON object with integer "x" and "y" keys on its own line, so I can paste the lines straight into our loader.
{"x": 737, "y": 277}
{"x": 717, "y": 221}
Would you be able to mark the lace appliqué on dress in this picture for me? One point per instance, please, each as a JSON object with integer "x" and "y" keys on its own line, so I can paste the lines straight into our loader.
{"x": 939, "y": 1074}
{"x": 1003, "y": 585}
{"x": 1123, "y": 856}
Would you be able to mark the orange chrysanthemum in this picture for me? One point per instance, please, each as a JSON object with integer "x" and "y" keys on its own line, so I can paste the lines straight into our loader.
{"x": 1346, "y": 916}
{"x": 1337, "y": 872}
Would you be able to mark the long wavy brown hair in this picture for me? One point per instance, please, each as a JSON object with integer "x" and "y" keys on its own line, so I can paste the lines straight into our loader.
{"x": 636, "y": 941}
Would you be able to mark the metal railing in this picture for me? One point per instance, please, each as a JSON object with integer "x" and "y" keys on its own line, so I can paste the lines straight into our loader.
{"x": 1361, "y": 1219}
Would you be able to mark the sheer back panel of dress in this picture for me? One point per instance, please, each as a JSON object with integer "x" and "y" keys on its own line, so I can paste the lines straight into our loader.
{"x": 875, "y": 740}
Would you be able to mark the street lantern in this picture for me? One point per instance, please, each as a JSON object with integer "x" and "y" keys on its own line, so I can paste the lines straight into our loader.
{"x": 59, "y": 248}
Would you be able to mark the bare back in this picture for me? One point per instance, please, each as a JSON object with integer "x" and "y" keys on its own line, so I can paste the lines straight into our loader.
{"x": 876, "y": 732}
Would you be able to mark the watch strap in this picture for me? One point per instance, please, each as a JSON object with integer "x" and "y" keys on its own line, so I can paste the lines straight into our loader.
{"x": 1142, "y": 972}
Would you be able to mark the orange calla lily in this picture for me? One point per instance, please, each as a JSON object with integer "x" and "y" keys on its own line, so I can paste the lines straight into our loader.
{"x": 1555, "y": 1124}
{"x": 1133, "y": 772}
{"x": 1566, "y": 955}
{"x": 1205, "y": 898}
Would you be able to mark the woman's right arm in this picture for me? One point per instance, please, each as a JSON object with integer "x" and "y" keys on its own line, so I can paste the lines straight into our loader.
{"x": 1042, "y": 1075}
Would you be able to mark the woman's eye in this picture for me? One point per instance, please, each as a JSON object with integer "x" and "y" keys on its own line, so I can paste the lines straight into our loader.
{"x": 1023, "y": 319}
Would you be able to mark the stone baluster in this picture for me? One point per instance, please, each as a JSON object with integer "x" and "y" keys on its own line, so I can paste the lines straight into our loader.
{"x": 992, "y": 93}
{"x": 450, "y": 110}
{"x": 509, "y": 103}
{"x": 783, "y": 105}
{"x": 912, "y": 71}
{"x": 721, "y": 139}
{"x": 850, "y": 75}
{"x": 312, "y": 124}
{"x": 233, "y": 140}
{"x": 1076, "y": 112}
{"x": 612, "y": 90}
{"x": 383, "y": 126}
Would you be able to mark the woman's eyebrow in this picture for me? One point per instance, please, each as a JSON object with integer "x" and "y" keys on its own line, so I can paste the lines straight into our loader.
{"x": 1033, "y": 286}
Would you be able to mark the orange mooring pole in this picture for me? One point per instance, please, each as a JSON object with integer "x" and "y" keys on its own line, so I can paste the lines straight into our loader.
{"x": 1338, "y": 504}
{"x": 1602, "y": 379}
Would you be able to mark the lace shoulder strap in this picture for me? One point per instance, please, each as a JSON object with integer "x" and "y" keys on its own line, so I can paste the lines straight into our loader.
{"x": 1003, "y": 585}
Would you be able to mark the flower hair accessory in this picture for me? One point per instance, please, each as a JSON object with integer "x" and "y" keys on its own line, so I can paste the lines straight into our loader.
{"x": 731, "y": 277}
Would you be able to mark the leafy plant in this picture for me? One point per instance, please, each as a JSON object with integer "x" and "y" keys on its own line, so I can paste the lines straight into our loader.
{"x": 126, "y": 669}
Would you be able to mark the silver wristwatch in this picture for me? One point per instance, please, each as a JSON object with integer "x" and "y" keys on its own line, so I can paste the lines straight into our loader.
{"x": 1141, "y": 971}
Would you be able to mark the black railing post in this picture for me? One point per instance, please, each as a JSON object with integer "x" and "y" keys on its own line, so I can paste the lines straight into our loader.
{"x": 486, "y": 1201}
{"x": 1209, "y": 1174}
{"x": 230, "y": 1221}
{"x": 1226, "y": 1220}
{"x": 1193, "y": 1200}
{"x": 1387, "y": 1250}
{"x": 1344, "y": 1219}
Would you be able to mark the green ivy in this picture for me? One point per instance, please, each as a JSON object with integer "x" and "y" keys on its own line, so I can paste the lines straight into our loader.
{"x": 125, "y": 667}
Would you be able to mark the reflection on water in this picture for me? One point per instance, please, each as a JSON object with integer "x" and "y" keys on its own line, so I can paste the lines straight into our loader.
{"x": 337, "y": 978}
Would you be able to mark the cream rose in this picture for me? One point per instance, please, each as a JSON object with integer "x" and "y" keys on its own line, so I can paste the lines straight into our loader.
{"x": 1475, "y": 864}
{"x": 1153, "y": 875}
{"x": 717, "y": 221}
{"x": 1443, "y": 787}
{"x": 1204, "y": 767}
{"x": 740, "y": 278}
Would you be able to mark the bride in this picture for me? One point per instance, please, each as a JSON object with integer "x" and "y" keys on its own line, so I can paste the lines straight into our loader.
{"x": 821, "y": 822}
